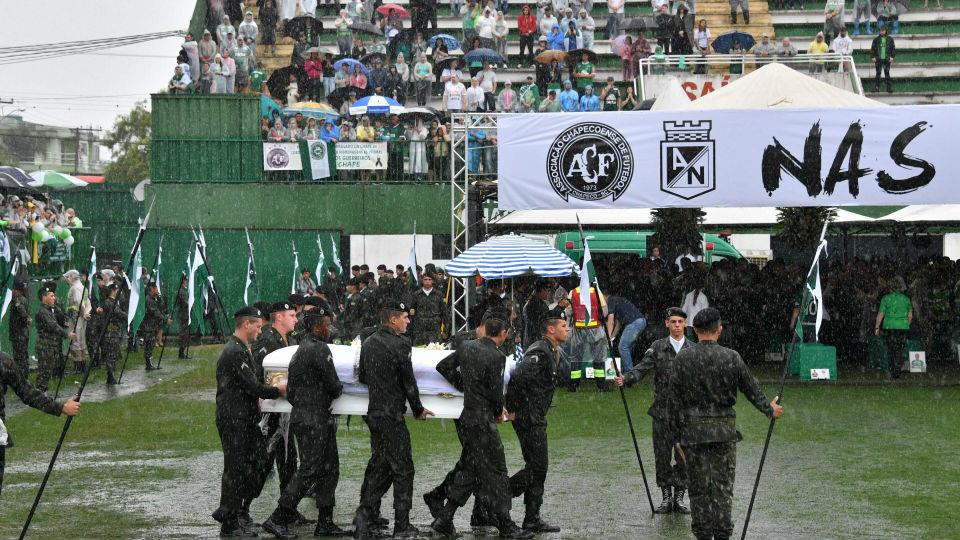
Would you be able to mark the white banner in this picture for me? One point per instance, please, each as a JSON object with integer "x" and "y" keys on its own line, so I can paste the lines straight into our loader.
{"x": 793, "y": 157}
{"x": 360, "y": 155}
{"x": 281, "y": 157}
{"x": 319, "y": 159}
{"x": 697, "y": 86}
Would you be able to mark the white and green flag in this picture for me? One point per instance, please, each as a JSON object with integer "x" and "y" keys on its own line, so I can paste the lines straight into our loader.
{"x": 319, "y": 159}
{"x": 812, "y": 303}
{"x": 319, "y": 273}
{"x": 251, "y": 272}
{"x": 134, "y": 279}
{"x": 336, "y": 259}
{"x": 296, "y": 269}
{"x": 585, "y": 282}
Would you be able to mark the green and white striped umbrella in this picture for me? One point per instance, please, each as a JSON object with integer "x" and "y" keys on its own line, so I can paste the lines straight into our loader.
{"x": 55, "y": 181}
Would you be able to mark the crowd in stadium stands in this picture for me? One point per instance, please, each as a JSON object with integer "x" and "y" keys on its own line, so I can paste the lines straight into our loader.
{"x": 20, "y": 214}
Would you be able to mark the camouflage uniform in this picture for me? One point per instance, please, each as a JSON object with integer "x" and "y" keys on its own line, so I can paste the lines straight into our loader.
{"x": 154, "y": 319}
{"x": 115, "y": 320}
{"x": 700, "y": 403}
{"x": 51, "y": 331}
{"x": 352, "y": 315}
{"x": 429, "y": 316}
{"x": 368, "y": 308}
{"x": 20, "y": 322}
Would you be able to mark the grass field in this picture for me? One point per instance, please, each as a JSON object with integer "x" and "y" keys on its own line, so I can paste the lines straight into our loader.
{"x": 846, "y": 462}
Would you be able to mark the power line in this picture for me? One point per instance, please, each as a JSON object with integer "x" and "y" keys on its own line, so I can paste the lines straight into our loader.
{"x": 46, "y": 51}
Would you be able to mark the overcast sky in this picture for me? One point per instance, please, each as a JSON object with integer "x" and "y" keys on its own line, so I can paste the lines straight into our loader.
{"x": 88, "y": 89}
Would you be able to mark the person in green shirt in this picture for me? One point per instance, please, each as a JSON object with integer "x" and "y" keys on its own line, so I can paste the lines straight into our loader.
{"x": 257, "y": 78}
{"x": 584, "y": 72}
{"x": 610, "y": 96}
{"x": 551, "y": 104}
{"x": 394, "y": 134}
{"x": 894, "y": 318}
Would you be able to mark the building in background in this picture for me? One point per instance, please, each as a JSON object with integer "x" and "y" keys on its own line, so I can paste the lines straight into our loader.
{"x": 35, "y": 147}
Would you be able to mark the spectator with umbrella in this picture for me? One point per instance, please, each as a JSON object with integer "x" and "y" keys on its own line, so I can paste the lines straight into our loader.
{"x": 724, "y": 42}
{"x": 358, "y": 79}
{"x": 448, "y": 42}
{"x": 476, "y": 62}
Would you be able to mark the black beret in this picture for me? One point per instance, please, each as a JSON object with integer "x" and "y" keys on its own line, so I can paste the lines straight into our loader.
{"x": 674, "y": 312}
{"x": 247, "y": 311}
{"x": 310, "y": 316}
{"x": 499, "y": 314}
{"x": 282, "y": 306}
{"x": 315, "y": 301}
{"x": 706, "y": 318}
{"x": 295, "y": 299}
{"x": 395, "y": 305}
{"x": 264, "y": 307}
{"x": 19, "y": 284}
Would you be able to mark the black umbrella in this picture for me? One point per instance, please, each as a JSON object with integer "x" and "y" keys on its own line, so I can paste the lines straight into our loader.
{"x": 365, "y": 27}
{"x": 422, "y": 113}
{"x": 368, "y": 59}
{"x": 646, "y": 22}
{"x": 14, "y": 181}
{"x": 445, "y": 63}
{"x": 404, "y": 36}
{"x": 303, "y": 25}
{"x": 338, "y": 96}
{"x": 576, "y": 54}
{"x": 280, "y": 78}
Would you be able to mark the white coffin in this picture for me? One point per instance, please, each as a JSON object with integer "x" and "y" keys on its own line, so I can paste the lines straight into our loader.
{"x": 436, "y": 393}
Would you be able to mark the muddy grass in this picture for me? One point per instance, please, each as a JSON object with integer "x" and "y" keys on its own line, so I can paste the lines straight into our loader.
{"x": 876, "y": 462}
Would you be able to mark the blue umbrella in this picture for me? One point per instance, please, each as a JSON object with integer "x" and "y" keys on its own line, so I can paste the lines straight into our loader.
{"x": 510, "y": 256}
{"x": 448, "y": 40}
{"x": 724, "y": 42}
{"x": 375, "y": 104}
{"x": 350, "y": 62}
{"x": 483, "y": 55}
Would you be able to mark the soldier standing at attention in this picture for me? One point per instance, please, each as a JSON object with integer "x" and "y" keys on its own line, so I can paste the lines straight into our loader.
{"x": 386, "y": 368}
{"x": 368, "y": 302}
{"x": 154, "y": 319}
{"x": 238, "y": 392}
{"x": 312, "y": 385}
{"x": 429, "y": 313}
{"x": 183, "y": 317}
{"x": 20, "y": 321}
{"x": 352, "y": 316}
{"x": 484, "y": 467}
{"x": 50, "y": 334}
{"x": 700, "y": 403}
{"x": 114, "y": 317}
{"x": 529, "y": 396}
{"x": 671, "y": 478}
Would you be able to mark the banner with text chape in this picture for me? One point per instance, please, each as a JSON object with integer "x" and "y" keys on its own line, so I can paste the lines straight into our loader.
{"x": 773, "y": 157}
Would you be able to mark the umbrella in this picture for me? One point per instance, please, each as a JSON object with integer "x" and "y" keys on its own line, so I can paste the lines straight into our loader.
{"x": 350, "y": 62}
{"x": 268, "y": 106}
{"x": 312, "y": 109}
{"x": 640, "y": 23}
{"x": 420, "y": 112}
{"x": 448, "y": 40}
{"x": 376, "y": 104}
{"x": 397, "y": 10}
{"x": 54, "y": 180}
{"x": 369, "y": 59}
{"x": 14, "y": 181}
{"x": 576, "y": 54}
{"x": 724, "y": 42}
{"x": 617, "y": 44}
{"x": 483, "y": 55}
{"x": 511, "y": 256}
{"x": 306, "y": 54}
{"x": 364, "y": 26}
{"x": 305, "y": 25}
{"x": 403, "y": 37}
{"x": 338, "y": 96}
{"x": 445, "y": 63}
{"x": 280, "y": 78}
{"x": 549, "y": 56}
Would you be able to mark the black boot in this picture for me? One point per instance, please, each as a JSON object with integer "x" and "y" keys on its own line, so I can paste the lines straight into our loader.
{"x": 746, "y": 17}
{"x": 434, "y": 501}
{"x": 244, "y": 518}
{"x": 536, "y": 525}
{"x": 278, "y": 530}
{"x": 148, "y": 366}
{"x": 234, "y": 530}
{"x": 733, "y": 17}
{"x": 402, "y": 527}
{"x": 110, "y": 379}
{"x": 666, "y": 506}
{"x": 509, "y": 529}
{"x": 304, "y": 520}
{"x": 325, "y": 524}
{"x": 678, "y": 505}
{"x": 443, "y": 524}
{"x": 480, "y": 517}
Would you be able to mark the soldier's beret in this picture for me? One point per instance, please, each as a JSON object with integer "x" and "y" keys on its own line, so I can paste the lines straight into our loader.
{"x": 674, "y": 312}
{"x": 315, "y": 301}
{"x": 247, "y": 311}
{"x": 19, "y": 284}
{"x": 295, "y": 299}
{"x": 394, "y": 305}
{"x": 311, "y": 316}
{"x": 498, "y": 314}
{"x": 264, "y": 307}
{"x": 706, "y": 318}
{"x": 282, "y": 306}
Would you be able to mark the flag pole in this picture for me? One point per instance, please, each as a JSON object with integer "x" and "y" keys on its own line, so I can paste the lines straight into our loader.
{"x": 623, "y": 396}
{"x": 212, "y": 280}
{"x": 783, "y": 380}
{"x": 63, "y": 357}
{"x": 83, "y": 385}
{"x": 253, "y": 262}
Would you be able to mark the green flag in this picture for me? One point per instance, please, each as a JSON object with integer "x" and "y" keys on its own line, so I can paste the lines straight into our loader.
{"x": 135, "y": 308}
{"x": 811, "y": 305}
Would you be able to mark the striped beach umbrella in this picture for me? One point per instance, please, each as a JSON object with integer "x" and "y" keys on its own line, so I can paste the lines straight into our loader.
{"x": 376, "y": 104}
{"x": 55, "y": 181}
{"x": 510, "y": 256}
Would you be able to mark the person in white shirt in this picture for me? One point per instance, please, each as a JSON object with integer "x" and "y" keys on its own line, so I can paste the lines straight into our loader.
{"x": 248, "y": 29}
{"x": 484, "y": 27}
{"x": 843, "y": 44}
{"x": 475, "y": 98}
{"x": 587, "y": 26}
{"x": 488, "y": 83}
{"x": 547, "y": 21}
{"x": 614, "y": 18}
{"x": 690, "y": 257}
{"x": 693, "y": 302}
{"x": 454, "y": 95}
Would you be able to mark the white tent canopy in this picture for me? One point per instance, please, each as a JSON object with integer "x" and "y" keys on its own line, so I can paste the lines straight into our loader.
{"x": 776, "y": 85}
{"x": 672, "y": 97}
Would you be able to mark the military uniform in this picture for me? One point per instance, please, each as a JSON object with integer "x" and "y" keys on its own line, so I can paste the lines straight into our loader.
{"x": 386, "y": 368}
{"x": 368, "y": 307}
{"x": 353, "y": 315}
{"x": 529, "y": 396}
{"x": 154, "y": 318}
{"x": 430, "y": 313}
{"x": 700, "y": 403}
{"x": 237, "y": 414}
{"x": 115, "y": 320}
{"x": 11, "y": 376}
{"x": 183, "y": 321}
{"x": 659, "y": 358}
{"x": 51, "y": 332}
{"x": 312, "y": 385}
{"x": 20, "y": 322}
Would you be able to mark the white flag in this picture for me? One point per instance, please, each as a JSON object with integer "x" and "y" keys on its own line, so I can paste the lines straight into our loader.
{"x": 585, "y": 281}
{"x": 246, "y": 286}
{"x": 156, "y": 270}
{"x": 195, "y": 264}
{"x": 336, "y": 260}
{"x": 319, "y": 160}
{"x": 319, "y": 272}
{"x": 412, "y": 262}
{"x": 135, "y": 285}
{"x": 296, "y": 270}
{"x": 815, "y": 289}
{"x": 8, "y": 294}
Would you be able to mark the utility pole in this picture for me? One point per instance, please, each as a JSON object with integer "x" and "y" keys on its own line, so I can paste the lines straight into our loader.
{"x": 76, "y": 159}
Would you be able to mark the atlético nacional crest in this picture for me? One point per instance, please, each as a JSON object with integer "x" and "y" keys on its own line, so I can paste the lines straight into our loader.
{"x": 590, "y": 161}
{"x": 687, "y": 161}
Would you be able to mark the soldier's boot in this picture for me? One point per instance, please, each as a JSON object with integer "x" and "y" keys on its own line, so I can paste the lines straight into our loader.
{"x": 402, "y": 527}
{"x": 746, "y": 17}
{"x": 443, "y": 523}
{"x": 244, "y": 517}
{"x": 480, "y": 517}
{"x": 147, "y": 365}
{"x": 534, "y": 524}
{"x": 678, "y": 505}
{"x": 304, "y": 520}
{"x": 509, "y": 529}
{"x": 110, "y": 378}
{"x": 434, "y": 501}
{"x": 733, "y": 16}
{"x": 325, "y": 524}
{"x": 278, "y": 530}
{"x": 364, "y": 524}
{"x": 234, "y": 530}
{"x": 666, "y": 505}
